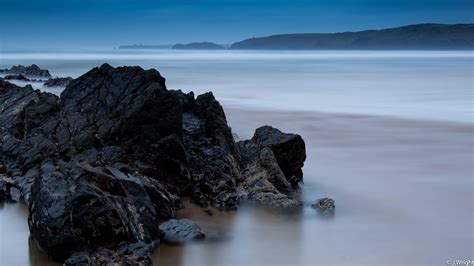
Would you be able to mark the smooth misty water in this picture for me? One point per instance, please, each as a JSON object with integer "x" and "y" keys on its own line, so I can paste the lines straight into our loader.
{"x": 403, "y": 187}
{"x": 422, "y": 85}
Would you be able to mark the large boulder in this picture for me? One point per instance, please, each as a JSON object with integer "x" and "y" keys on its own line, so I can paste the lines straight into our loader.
{"x": 272, "y": 164}
{"x": 97, "y": 207}
{"x": 289, "y": 151}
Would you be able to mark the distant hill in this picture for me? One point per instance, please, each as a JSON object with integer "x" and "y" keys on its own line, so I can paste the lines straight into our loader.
{"x": 142, "y": 46}
{"x": 414, "y": 37}
{"x": 198, "y": 46}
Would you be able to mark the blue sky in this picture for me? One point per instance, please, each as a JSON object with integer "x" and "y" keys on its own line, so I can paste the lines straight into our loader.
{"x": 110, "y": 23}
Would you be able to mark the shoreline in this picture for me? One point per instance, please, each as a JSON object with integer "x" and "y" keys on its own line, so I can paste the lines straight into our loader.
{"x": 321, "y": 114}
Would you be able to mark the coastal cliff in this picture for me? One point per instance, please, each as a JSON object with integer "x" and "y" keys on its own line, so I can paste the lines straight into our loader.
{"x": 411, "y": 37}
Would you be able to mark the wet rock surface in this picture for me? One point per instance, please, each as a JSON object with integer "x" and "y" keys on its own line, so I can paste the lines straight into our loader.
{"x": 103, "y": 164}
{"x": 28, "y": 71}
{"x": 179, "y": 231}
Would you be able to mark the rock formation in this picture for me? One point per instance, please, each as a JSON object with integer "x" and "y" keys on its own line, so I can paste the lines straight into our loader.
{"x": 28, "y": 71}
{"x": 57, "y": 82}
{"x": 103, "y": 164}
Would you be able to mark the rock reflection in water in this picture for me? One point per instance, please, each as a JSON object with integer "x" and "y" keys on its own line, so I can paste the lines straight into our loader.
{"x": 250, "y": 235}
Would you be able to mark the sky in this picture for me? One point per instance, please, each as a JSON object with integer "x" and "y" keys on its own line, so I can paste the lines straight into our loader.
{"x": 53, "y": 24}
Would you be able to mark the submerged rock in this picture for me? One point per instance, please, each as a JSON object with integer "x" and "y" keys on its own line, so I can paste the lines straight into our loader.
{"x": 325, "y": 205}
{"x": 178, "y": 231}
{"x": 28, "y": 71}
{"x": 103, "y": 164}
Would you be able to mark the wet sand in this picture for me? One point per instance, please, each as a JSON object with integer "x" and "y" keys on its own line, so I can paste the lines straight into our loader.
{"x": 403, "y": 191}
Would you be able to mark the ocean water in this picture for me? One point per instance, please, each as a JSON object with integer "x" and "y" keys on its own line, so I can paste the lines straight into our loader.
{"x": 412, "y": 84}
{"x": 389, "y": 136}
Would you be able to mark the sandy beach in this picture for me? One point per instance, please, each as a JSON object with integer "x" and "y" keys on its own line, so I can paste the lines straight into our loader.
{"x": 403, "y": 191}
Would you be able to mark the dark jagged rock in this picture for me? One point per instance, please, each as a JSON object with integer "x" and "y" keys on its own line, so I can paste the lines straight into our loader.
{"x": 117, "y": 106}
{"x": 107, "y": 161}
{"x": 57, "y": 82}
{"x": 16, "y": 77}
{"x": 289, "y": 150}
{"x": 28, "y": 71}
{"x": 178, "y": 231}
{"x": 324, "y": 205}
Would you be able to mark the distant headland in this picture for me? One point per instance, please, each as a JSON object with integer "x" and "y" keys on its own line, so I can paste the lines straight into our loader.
{"x": 412, "y": 37}
{"x": 198, "y": 46}
{"x": 144, "y": 46}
